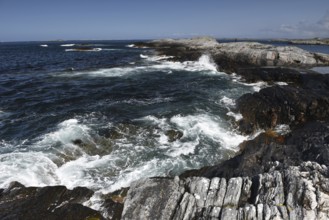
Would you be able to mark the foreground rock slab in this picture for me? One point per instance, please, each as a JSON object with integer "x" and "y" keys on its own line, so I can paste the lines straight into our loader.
{"x": 298, "y": 192}
{"x": 52, "y": 202}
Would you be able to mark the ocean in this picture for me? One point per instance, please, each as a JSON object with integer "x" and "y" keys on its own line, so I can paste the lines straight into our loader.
{"x": 102, "y": 114}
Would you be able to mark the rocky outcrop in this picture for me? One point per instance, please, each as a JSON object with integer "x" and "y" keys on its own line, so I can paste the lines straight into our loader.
{"x": 231, "y": 56}
{"x": 314, "y": 41}
{"x": 273, "y": 177}
{"x": 298, "y": 192}
{"x": 51, "y": 202}
{"x": 309, "y": 142}
{"x": 305, "y": 99}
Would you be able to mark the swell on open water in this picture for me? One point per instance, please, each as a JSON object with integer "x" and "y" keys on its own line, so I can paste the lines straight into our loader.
{"x": 109, "y": 114}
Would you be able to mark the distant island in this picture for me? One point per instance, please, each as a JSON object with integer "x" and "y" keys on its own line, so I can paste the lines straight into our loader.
{"x": 313, "y": 41}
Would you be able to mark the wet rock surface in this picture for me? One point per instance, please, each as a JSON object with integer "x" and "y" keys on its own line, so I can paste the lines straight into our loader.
{"x": 306, "y": 99}
{"x": 309, "y": 142}
{"x": 52, "y": 202}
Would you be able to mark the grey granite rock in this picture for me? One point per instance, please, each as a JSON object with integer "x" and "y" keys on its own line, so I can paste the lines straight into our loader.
{"x": 153, "y": 199}
{"x": 221, "y": 193}
{"x": 296, "y": 192}
{"x": 233, "y": 192}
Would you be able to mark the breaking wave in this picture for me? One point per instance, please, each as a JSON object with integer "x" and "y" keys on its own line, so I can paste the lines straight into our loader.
{"x": 67, "y": 45}
{"x": 74, "y": 155}
{"x": 83, "y": 50}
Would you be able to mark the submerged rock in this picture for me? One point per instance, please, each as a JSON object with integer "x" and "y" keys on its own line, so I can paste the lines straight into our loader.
{"x": 173, "y": 135}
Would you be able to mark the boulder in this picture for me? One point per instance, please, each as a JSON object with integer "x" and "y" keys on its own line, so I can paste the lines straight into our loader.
{"x": 173, "y": 135}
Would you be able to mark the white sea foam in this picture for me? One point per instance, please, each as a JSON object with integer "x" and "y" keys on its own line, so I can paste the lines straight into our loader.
{"x": 281, "y": 83}
{"x": 207, "y": 63}
{"x": 67, "y": 45}
{"x": 155, "y": 58}
{"x": 203, "y": 65}
{"x": 227, "y": 101}
{"x": 66, "y": 132}
{"x": 143, "y": 56}
{"x": 236, "y": 116}
{"x": 30, "y": 169}
{"x": 3, "y": 114}
{"x": 257, "y": 86}
{"x": 210, "y": 126}
{"x": 126, "y": 163}
{"x": 43, "y": 45}
{"x": 83, "y": 50}
{"x": 130, "y": 45}
{"x": 282, "y": 129}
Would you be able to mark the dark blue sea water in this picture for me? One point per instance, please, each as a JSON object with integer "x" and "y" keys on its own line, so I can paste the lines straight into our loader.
{"x": 100, "y": 114}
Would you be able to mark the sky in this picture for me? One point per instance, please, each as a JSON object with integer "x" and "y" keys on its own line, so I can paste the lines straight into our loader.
{"x": 29, "y": 20}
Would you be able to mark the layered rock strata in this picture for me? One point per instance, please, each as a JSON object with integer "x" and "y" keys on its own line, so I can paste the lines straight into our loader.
{"x": 294, "y": 193}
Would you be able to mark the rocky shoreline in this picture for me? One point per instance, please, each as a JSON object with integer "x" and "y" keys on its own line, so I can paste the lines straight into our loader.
{"x": 274, "y": 176}
{"x": 315, "y": 41}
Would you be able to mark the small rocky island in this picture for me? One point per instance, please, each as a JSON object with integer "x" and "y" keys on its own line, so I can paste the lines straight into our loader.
{"x": 273, "y": 176}
{"x": 314, "y": 41}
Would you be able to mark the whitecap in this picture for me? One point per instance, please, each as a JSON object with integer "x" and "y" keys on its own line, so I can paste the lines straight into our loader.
{"x": 236, "y": 116}
{"x": 130, "y": 45}
{"x": 210, "y": 126}
{"x": 228, "y": 102}
{"x": 67, "y": 45}
{"x": 84, "y": 50}
{"x": 143, "y": 56}
{"x": 200, "y": 66}
{"x": 281, "y": 83}
{"x": 207, "y": 62}
{"x": 155, "y": 58}
{"x": 204, "y": 64}
{"x": 43, "y": 45}
{"x": 66, "y": 132}
{"x": 59, "y": 144}
{"x": 257, "y": 86}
